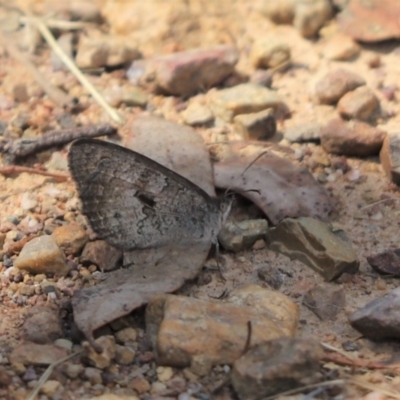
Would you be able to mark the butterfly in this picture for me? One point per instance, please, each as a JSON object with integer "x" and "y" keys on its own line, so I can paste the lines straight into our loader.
{"x": 135, "y": 203}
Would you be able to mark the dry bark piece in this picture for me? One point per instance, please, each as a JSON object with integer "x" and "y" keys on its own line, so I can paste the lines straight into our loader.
{"x": 276, "y": 366}
{"x": 390, "y": 157}
{"x": 186, "y": 331}
{"x": 275, "y": 185}
{"x": 379, "y": 319}
{"x": 313, "y": 243}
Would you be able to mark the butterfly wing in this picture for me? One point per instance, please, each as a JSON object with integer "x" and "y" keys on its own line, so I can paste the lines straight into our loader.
{"x": 135, "y": 203}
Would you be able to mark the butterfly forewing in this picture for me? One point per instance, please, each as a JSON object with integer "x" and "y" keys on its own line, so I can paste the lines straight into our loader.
{"x": 135, "y": 203}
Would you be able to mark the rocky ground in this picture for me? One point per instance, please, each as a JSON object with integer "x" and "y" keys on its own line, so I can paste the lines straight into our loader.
{"x": 289, "y": 305}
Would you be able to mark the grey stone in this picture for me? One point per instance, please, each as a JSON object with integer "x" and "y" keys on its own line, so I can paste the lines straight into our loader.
{"x": 242, "y": 235}
{"x": 379, "y": 319}
{"x": 276, "y": 366}
{"x": 256, "y": 126}
{"x": 325, "y": 300}
{"x": 42, "y": 325}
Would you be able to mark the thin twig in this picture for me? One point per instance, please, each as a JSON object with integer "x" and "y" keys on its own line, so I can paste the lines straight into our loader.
{"x": 25, "y": 147}
{"x": 48, "y": 372}
{"x": 47, "y": 35}
{"x": 57, "y": 95}
{"x": 18, "y": 169}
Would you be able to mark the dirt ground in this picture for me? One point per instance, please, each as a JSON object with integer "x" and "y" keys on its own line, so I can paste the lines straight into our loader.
{"x": 371, "y": 225}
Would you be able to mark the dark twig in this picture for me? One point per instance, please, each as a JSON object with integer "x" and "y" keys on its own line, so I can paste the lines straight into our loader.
{"x": 24, "y": 147}
{"x": 248, "y": 339}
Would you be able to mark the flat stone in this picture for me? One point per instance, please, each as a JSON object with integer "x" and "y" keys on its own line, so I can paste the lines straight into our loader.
{"x": 103, "y": 359}
{"x": 256, "y": 126}
{"x": 29, "y": 353}
{"x": 41, "y": 255}
{"x": 197, "y": 114}
{"x": 197, "y": 333}
{"x": 353, "y": 138}
{"x": 276, "y": 366}
{"x": 96, "y": 51}
{"x": 269, "y": 52}
{"x": 242, "y": 235}
{"x": 245, "y": 98}
{"x": 379, "y": 319}
{"x": 340, "y": 47}
{"x": 390, "y": 157}
{"x": 325, "y": 300}
{"x": 312, "y": 242}
{"x": 304, "y": 132}
{"x": 360, "y": 103}
{"x": 102, "y": 254}
{"x": 187, "y": 72}
{"x": 387, "y": 262}
{"x": 70, "y": 237}
{"x": 42, "y": 325}
{"x": 335, "y": 84}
